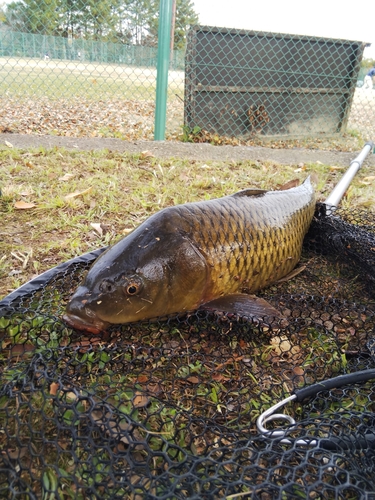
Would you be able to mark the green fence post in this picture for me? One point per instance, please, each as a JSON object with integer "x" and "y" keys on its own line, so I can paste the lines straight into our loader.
{"x": 164, "y": 34}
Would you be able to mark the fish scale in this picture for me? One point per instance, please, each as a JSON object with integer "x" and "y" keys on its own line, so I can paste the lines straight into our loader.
{"x": 203, "y": 254}
{"x": 222, "y": 228}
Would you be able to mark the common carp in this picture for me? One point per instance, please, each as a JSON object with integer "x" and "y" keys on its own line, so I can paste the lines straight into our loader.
{"x": 209, "y": 254}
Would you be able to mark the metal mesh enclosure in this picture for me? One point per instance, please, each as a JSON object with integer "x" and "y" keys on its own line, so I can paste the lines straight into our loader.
{"x": 242, "y": 83}
{"x": 167, "y": 409}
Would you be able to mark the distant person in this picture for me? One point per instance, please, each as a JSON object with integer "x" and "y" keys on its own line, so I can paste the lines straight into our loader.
{"x": 369, "y": 79}
{"x": 46, "y": 56}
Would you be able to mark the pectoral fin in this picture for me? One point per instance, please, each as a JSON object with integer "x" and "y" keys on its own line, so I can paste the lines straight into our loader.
{"x": 243, "y": 305}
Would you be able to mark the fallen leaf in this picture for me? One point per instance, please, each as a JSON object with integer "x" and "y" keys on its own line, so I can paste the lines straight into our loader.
{"x": 71, "y": 396}
{"x": 53, "y": 388}
{"x": 314, "y": 177}
{"x": 280, "y": 344}
{"x": 22, "y": 349}
{"x": 290, "y": 184}
{"x": 66, "y": 177}
{"x": 336, "y": 168}
{"x": 219, "y": 377}
{"x": 16, "y": 453}
{"x": 147, "y": 154}
{"x": 193, "y": 380}
{"x": 369, "y": 178}
{"x": 297, "y": 370}
{"x": 140, "y": 400}
{"x": 10, "y": 145}
{"x": 298, "y": 375}
{"x": 98, "y": 228}
{"x": 77, "y": 193}
{"x": 133, "y": 120}
{"x": 14, "y": 272}
{"x": 23, "y": 205}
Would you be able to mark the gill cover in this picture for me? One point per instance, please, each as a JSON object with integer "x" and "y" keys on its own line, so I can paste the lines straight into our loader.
{"x": 153, "y": 271}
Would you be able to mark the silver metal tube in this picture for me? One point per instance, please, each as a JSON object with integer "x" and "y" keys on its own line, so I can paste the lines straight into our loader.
{"x": 334, "y": 198}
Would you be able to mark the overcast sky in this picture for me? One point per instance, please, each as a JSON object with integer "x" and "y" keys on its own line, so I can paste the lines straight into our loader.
{"x": 328, "y": 18}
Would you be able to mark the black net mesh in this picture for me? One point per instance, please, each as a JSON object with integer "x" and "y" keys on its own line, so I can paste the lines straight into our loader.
{"x": 168, "y": 409}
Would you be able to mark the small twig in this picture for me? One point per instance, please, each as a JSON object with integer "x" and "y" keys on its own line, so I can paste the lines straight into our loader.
{"x": 26, "y": 261}
{"x": 292, "y": 274}
{"x": 146, "y": 169}
{"x": 24, "y": 258}
{"x": 16, "y": 256}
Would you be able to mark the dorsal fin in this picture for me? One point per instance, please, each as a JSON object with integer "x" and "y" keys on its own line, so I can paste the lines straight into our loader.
{"x": 250, "y": 192}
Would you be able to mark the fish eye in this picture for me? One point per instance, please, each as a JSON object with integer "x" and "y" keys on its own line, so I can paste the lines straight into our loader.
{"x": 106, "y": 286}
{"x": 132, "y": 289}
{"x": 133, "y": 286}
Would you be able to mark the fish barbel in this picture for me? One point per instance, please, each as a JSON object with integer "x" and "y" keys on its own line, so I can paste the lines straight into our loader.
{"x": 209, "y": 254}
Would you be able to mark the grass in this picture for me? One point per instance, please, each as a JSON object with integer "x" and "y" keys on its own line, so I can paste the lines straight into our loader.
{"x": 66, "y": 80}
{"x": 67, "y": 86}
{"x": 119, "y": 192}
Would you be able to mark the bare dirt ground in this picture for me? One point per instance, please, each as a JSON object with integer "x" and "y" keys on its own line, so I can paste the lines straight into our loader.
{"x": 176, "y": 149}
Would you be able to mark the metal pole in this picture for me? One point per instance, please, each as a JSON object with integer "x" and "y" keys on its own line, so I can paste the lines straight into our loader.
{"x": 334, "y": 198}
{"x": 164, "y": 34}
{"x": 172, "y": 30}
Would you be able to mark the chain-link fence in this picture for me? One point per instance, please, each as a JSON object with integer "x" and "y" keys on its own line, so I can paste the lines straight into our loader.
{"x": 90, "y": 69}
{"x": 86, "y": 69}
{"x": 34, "y": 46}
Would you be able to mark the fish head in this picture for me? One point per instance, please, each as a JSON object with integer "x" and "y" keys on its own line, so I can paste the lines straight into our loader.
{"x": 139, "y": 278}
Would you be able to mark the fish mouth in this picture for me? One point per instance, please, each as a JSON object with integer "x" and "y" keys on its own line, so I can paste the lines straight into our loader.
{"x": 79, "y": 324}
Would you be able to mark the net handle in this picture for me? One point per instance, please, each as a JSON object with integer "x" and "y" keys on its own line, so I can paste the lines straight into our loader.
{"x": 338, "y": 192}
{"x": 307, "y": 392}
{"x": 334, "y": 383}
{"x": 38, "y": 282}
